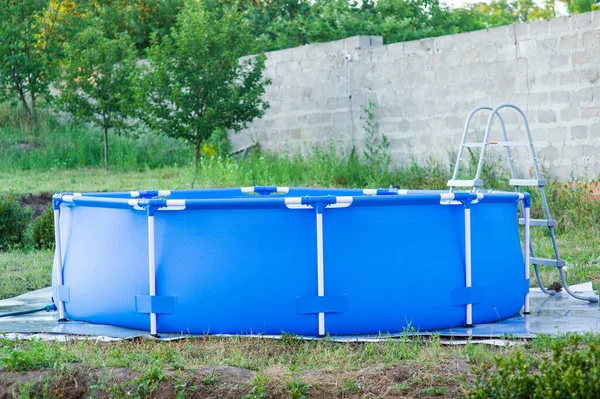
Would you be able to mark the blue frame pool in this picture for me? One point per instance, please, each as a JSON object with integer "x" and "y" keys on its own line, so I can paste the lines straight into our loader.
{"x": 306, "y": 261}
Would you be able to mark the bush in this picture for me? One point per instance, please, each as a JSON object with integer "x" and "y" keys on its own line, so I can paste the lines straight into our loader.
{"x": 13, "y": 223}
{"x": 573, "y": 371}
{"x": 43, "y": 230}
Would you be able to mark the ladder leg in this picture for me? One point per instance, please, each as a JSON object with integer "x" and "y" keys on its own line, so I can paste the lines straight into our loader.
{"x": 539, "y": 281}
{"x": 592, "y": 299}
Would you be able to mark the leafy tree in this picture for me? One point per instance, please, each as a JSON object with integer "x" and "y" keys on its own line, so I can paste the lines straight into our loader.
{"x": 195, "y": 82}
{"x": 138, "y": 18}
{"x": 32, "y": 38}
{"x": 581, "y": 6}
{"x": 99, "y": 84}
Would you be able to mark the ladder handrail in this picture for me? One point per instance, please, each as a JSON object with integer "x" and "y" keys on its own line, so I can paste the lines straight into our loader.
{"x": 463, "y": 140}
{"x": 495, "y": 113}
{"x": 527, "y": 131}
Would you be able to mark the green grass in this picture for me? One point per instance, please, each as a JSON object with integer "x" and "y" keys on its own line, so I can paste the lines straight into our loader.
{"x": 411, "y": 366}
{"x": 69, "y": 158}
{"x": 23, "y": 271}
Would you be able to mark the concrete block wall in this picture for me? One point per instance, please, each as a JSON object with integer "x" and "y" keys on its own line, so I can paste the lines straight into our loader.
{"x": 423, "y": 91}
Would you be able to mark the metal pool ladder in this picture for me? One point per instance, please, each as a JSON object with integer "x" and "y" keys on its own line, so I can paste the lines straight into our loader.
{"x": 476, "y": 184}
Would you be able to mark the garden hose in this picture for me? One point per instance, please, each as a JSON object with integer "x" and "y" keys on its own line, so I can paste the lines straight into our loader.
{"x": 47, "y": 308}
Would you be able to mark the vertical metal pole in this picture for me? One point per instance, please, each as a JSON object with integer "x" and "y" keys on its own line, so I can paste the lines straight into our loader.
{"x": 527, "y": 243}
{"x": 151, "y": 266}
{"x": 468, "y": 261}
{"x": 320, "y": 267}
{"x": 59, "y": 269}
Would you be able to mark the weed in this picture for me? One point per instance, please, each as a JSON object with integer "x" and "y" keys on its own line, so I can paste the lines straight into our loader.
{"x": 259, "y": 389}
{"x": 182, "y": 388}
{"x": 351, "y": 387}
{"x": 298, "y": 389}
{"x": 399, "y": 388}
{"x": 35, "y": 354}
{"x": 211, "y": 379}
{"x": 148, "y": 381}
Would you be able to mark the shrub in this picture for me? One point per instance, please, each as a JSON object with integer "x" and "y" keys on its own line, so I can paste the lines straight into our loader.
{"x": 572, "y": 371}
{"x": 13, "y": 223}
{"x": 43, "y": 230}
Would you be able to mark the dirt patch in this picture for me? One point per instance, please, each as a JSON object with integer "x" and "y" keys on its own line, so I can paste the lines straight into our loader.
{"x": 37, "y": 202}
{"x": 223, "y": 382}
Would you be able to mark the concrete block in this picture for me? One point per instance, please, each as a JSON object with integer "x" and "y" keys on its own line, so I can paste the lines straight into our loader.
{"x": 521, "y": 31}
{"x": 546, "y": 116}
{"x": 590, "y": 112}
{"x": 556, "y": 134}
{"x": 559, "y": 26}
{"x": 581, "y": 22}
{"x": 560, "y": 97}
{"x": 569, "y": 114}
{"x": 566, "y": 44}
{"x": 582, "y": 97}
{"x": 580, "y": 58}
{"x": 538, "y": 28}
{"x": 557, "y": 61}
{"x": 579, "y": 132}
{"x": 595, "y": 131}
{"x": 591, "y": 38}
{"x": 443, "y": 42}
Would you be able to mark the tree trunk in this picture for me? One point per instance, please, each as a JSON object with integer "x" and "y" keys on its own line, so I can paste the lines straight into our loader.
{"x": 34, "y": 115}
{"x": 106, "y": 148}
{"x": 25, "y": 104}
{"x": 197, "y": 152}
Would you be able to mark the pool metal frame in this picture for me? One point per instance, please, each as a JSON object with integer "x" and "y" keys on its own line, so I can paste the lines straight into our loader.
{"x": 153, "y": 201}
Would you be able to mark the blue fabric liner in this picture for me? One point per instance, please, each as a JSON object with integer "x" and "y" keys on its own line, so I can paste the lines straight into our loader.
{"x": 465, "y": 295}
{"x": 322, "y": 304}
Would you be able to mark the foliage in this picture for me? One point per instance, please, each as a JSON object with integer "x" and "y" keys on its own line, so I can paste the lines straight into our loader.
{"x": 43, "y": 230}
{"x": 99, "y": 82}
{"x": 139, "y": 19}
{"x": 195, "y": 82}
{"x": 35, "y": 355}
{"x": 76, "y": 146}
{"x": 572, "y": 371}
{"x": 32, "y": 38}
{"x": 377, "y": 148}
{"x": 14, "y": 220}
{"x": 259, "y": 389}
{"x": 503, "y": 12}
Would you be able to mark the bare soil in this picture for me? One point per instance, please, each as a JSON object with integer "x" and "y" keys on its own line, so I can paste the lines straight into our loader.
{"x": 400, "y": 381}
{"x": 37, "y": 202}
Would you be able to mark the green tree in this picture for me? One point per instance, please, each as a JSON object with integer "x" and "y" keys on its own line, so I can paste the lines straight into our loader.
{"x": 581, "y": 6}
{"x": 32, "y": 38}
{"x": 195, "y": 82}
{"x": 99, "y": 83}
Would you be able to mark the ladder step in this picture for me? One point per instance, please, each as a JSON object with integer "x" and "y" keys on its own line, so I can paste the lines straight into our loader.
{"x": 527, "y": 182}
{"x": 465, "y": 183}
{"x": 539, "y": 222}
{"x": 548, "y": 262}
{"x": 498, "y": 144}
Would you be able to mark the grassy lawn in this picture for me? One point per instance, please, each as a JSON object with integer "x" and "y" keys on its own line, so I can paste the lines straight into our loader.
{"x": 415, "y": 367}
{"x": 251, "y": 367}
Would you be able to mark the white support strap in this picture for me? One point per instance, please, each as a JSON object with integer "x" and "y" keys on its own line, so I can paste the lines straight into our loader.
{"x": 59, "y": 265}
{"x": 151, "y": 270}
{"x": 468, "y": 282}
{"x": 320, "y": 270}
{"x": 526, "y": 251}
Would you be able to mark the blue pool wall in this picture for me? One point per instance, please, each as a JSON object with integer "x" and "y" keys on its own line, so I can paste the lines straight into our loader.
{"x": 246, "y": 264}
